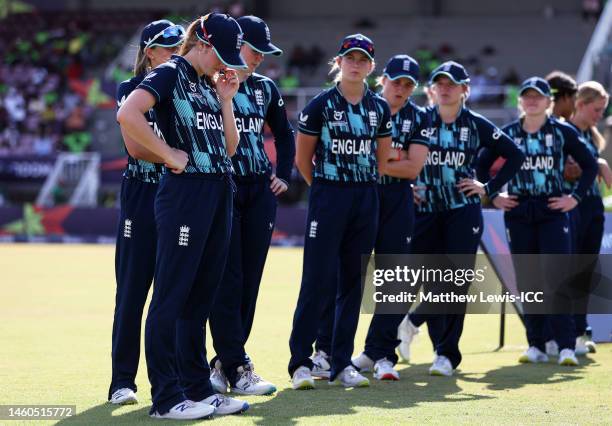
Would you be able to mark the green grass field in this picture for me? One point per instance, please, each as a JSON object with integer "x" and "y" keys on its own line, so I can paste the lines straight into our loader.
{"x": 56, "y": 310}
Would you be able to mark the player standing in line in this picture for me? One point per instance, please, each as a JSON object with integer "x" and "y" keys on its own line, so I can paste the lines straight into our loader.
{"x": 136, "y": 236}
{"x": 535, "y": 207}
{"x": 449, "y": 217}
{"x": 347, "y": 129}
{"x": 396, "y": 217}
{"x": 258, "y": 101}
{"x": 192, "y": 98}
{"x": 591, "y": 102}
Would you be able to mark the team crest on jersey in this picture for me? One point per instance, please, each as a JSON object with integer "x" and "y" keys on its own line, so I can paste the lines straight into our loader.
{"x": 373, "y": 118}
{"x": 183, "y": 239}
{"x": 406, "y": 126}
{"x": 464, "y": 134}
{"x": 549, "y": 140}
{"x": 259, "y": 97}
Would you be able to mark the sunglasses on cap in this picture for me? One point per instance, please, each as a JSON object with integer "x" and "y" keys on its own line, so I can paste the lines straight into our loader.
{"x": 356, "y": 43}
{"x": 168, "y": 32}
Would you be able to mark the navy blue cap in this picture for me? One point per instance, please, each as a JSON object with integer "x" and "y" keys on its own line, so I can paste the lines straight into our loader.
{"x": 257, "y": 35}
{"x": 223, "y": 33}
{"x": 451, "y": 69}
{"x": 357, "y": 42}
{"x": 161, "y": 33}
{"x": 402, "y": 66}
{"x": 538, "y": 84}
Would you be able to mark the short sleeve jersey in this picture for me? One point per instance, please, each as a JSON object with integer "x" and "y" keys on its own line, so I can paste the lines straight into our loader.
{"x": 410, "y": 125}
{"x": 347, "y": 135}
{"x": 139, "y": 169}
{"x": 188, "y": 113}
{"x": 453, "y": 150}
{"x": 542, "y": 171}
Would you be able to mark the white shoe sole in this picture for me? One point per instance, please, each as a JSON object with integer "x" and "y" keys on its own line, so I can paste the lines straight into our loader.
{"x": 269, "y": 391}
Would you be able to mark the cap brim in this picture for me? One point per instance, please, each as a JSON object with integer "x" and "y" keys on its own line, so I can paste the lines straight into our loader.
{"x": 536, "y": 88}
{"x": 449, "y": 75}
{"x": 400, "y": 75}
{"x": 231, "y": 60}
{"x": 266, "y": 49}
{"x": 168, "y": 42}
{"x": 365, "y": 52}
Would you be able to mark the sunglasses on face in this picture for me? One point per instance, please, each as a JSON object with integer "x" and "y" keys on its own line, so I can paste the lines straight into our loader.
{"x": 172, "y": 31}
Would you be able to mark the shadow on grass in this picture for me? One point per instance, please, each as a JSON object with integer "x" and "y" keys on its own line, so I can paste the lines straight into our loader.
{"x": 104, "y": 414}
{"x": 519, "y": 375}
{"x": 415, "y": 387}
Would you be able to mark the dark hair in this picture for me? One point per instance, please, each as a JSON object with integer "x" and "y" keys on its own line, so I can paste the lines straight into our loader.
{"x": 561, "y": 84}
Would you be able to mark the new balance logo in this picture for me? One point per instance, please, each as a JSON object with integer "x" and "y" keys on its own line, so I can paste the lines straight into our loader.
{"x": 476, "y": 230}
{"x": 127, "y": 228}
{"x": 184, "y": 236}
{"x": 313, "y": 229}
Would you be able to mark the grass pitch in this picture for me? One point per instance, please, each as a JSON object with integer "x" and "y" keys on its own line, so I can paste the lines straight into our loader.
{"x": 56, "y": 309}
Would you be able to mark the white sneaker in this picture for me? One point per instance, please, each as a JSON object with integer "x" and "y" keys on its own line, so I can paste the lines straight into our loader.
{"x": 350, "y": 378}
{"x": 441, "y": 367}
{"x": 383, "y": 370}
{"x": 225, "y": 405}
{"x": 249, "y": 383}
{"x": 302, "y": 379}
{"x": 217, "y": 378}
{"x": 322, "y": 367}
{"x": 406, "y": 332}
{"x": 124, "y": 396}
{"x": 567, "y": 357}
{"x": 533, "y": 355}
{"x": 552, "y": 349}
{"x": 187, "y": 410}
{"x": 363, "y": 363}
{"x": 584, "y": 345}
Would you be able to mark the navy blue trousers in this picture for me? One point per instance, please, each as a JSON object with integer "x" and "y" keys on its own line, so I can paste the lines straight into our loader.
{"x": 455, "y": 231}
{"x": 533, "y": 228}
{"x": 395, "y": 233}
{"x": 193, "y": 215}
{"x": 341, "y": 227}
{"x": 232, "y": 316}
{"x": 589, "y": 225}
{"x": 134, "y": 267}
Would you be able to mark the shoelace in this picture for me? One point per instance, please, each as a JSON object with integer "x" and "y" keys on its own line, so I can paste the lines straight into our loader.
{"x": 251, "y": 377}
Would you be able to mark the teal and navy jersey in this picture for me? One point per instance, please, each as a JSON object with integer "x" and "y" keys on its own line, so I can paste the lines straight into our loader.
{"x": 411, "y": 125}
{"x": 258, "y": 101}
{"x": 586, "y": 137}
{"x": 140, "y": 169}
{"x": 541, "y": 174}
{"x": 188, "y": 113}
{"x": 452, "y": 153}
{"x": 346, "y": 148}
